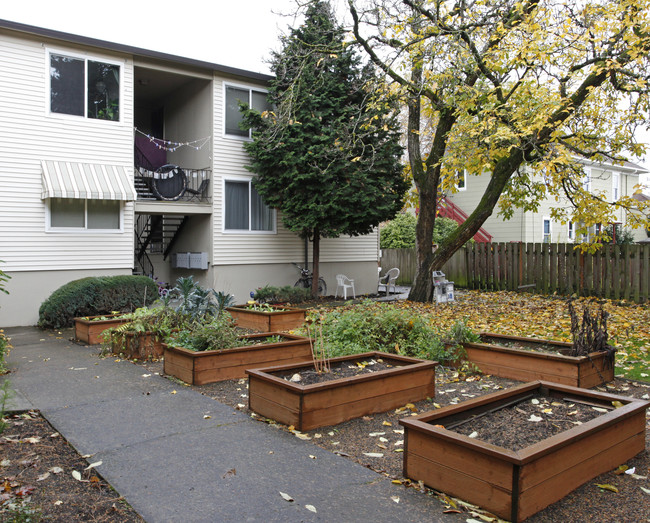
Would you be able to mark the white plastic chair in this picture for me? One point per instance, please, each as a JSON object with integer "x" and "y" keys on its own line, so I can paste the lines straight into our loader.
{"x": 388, "y": 280}
{"x": 342, "y": 281}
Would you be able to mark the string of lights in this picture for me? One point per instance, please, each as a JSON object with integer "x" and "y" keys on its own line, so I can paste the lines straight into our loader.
{"x": 168, "y": 145}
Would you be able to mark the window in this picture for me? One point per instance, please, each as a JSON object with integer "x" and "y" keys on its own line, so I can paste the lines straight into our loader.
{"x": 233, "y": 117}
{"x": 461, "y": 180}
{"x": 68, "y": 213}
{"x": 616, "y": 186}
{"x": 571, "y": 231}
{"x": 245, "y": 210}
{"x": 81, "y": 87}
{"x": 547, "y": 230}
{"x": 586, "y": 180}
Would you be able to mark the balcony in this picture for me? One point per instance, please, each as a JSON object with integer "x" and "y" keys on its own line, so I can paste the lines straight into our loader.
{"x": 171, "y": 183}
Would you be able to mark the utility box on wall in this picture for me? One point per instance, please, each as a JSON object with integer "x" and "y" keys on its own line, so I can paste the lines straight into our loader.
{"x": 181, "y": 260}
{"x": 190, "y": 260}
{"x": 198, "y": 260}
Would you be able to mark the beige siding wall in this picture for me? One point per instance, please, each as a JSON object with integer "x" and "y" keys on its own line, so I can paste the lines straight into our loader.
{"x": 29, "y": 134}
{"x": 529, "y": 226}
{"x": 267, "y": 257}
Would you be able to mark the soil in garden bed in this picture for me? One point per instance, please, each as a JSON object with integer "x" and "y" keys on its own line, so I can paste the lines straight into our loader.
{"x": 345, "y": 369}
{"x": 526, "y": 423}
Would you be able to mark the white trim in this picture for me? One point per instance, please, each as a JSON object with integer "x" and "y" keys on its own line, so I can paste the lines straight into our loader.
{"x": 550, "y": 229}
{"x": 81, "y": 230}
{"x": 571, "y": 231}
{"x": 586, "y": 179}
{"x": 616, "y": 185}
{"x": 464, "y": 187}
{"x": 79, "y": 55}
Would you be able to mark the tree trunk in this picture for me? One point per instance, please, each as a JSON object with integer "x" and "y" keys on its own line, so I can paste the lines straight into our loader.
{"x": 422, "y": 289}
{"x": 315, "y": 262}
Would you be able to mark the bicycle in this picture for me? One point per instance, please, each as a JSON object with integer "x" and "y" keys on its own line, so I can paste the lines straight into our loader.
{"x": 306, "y": 279}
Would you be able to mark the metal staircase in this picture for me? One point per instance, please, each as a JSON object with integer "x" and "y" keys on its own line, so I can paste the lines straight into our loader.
{"x": 155, "y": 233}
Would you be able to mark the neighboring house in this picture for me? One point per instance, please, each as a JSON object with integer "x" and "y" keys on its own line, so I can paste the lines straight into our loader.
{"x": 90, "y": 134}
{"x": 537, "y": 227}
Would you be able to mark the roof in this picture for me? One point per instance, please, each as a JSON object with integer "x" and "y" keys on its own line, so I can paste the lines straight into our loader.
{"x": 135, "y": 51}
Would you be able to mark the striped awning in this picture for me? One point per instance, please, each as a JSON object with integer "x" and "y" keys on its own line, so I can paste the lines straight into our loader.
{"x": 86, "y": 181}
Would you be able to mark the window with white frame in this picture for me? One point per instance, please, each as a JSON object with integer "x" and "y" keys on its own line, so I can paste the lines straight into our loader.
{"x": 546, "y": 230}
{"x": 571, "y": 231}
{"x": 586, "y": 179}
{"x": 84, "y": 87}
{"x": 97, "y": 215}
{"x": 245, "y": 210}
{"x": 234, "y": 96}
{"x": 616, "y": 184}
{"x": 461, "y": 180}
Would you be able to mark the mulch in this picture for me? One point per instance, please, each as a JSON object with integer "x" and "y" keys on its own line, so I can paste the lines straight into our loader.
{"x": 364, "y": 439}
{"x": 36, "y": 478}
{"x": 31, "y": 453}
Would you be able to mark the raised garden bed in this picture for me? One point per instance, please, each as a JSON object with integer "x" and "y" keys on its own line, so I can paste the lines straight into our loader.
{"x": 282, "y": 319}
{"x": 330, "y": 402}
{"x": 88, "y": 328}
{"x": 201, "y": 367}
{"x": 516, "y": 484}
{"x": 138, "y": 345}
{"x": 527, "y": 359}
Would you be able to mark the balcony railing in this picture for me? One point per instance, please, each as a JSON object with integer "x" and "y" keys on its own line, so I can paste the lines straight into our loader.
{"x": 174, "y": 183}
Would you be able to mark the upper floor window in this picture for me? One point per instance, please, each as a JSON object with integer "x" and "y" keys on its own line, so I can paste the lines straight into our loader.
{"x": 233, "y": 116}
{"x": 461, "y": 180}
{"x": 69, "y": 213}
{"x": 586, "y": 180}
{"x": 83, "y": 87}
{"x": 616, "y": 184}
{"x": 245, "y": 210}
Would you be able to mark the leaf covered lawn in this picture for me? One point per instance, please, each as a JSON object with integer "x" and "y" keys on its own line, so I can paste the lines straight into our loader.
{"x": 539, "y": 316}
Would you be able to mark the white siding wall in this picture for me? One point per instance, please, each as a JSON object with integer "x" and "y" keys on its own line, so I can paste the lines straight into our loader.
{"x": 28, "y": 135}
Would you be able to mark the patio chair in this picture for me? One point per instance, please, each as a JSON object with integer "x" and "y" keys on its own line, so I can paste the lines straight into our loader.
{"x": 345, "y": 283}
{"x": 388, "y": 280}
{"x": 201, "y": 193}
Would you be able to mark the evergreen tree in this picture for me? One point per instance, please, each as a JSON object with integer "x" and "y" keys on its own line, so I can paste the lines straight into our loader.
{"x": 328, "y": 156}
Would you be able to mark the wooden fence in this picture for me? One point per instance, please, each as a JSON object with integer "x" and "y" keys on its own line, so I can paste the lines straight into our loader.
{"x": 615, "y": 271}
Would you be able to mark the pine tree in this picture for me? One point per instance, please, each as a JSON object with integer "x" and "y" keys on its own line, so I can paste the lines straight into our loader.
{"x": 328, "y": 156}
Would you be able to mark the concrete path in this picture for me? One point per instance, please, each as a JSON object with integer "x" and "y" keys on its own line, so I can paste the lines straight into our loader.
{"x": 168, "y": 450}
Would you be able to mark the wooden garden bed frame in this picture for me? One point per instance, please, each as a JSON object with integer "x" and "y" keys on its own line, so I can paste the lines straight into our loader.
{"x": 307, "y": 407}
{"x": 88, "y": 330}
{"x": 516, "y": 485}
{"x": 525, "y": 365}
{"x": 268, "y": 321}
{"x": 199, "y": 368}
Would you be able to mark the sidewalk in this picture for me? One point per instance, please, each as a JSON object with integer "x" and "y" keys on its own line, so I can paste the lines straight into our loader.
{"x": 167, "y": 449}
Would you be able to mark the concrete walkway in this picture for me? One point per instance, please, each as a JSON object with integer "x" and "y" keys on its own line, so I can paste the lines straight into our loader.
{"x": 171, "y": 462}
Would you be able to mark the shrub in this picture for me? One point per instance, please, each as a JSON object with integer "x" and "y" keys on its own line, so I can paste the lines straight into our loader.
{"x": 219, "y": 334}
{"x": 374, "y": 326}
{"x": 399, "y": 233}
{"x": 94, "y": 296}
{"x": 286, "y": 294}
{"x": 4, "y": 350}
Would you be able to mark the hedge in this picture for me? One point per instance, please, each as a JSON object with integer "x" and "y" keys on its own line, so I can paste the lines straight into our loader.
{"x": 95, "y": 296}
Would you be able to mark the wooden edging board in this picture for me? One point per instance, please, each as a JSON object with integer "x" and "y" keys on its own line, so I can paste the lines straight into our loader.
{"x": 525, "y": 365}
{"x": 516, "y": 484}
{"x": 199, "y": 368}
{"x": 285, "y": 319}
{"x": 88, "y": 329}
{"x": 331, "y": 402}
